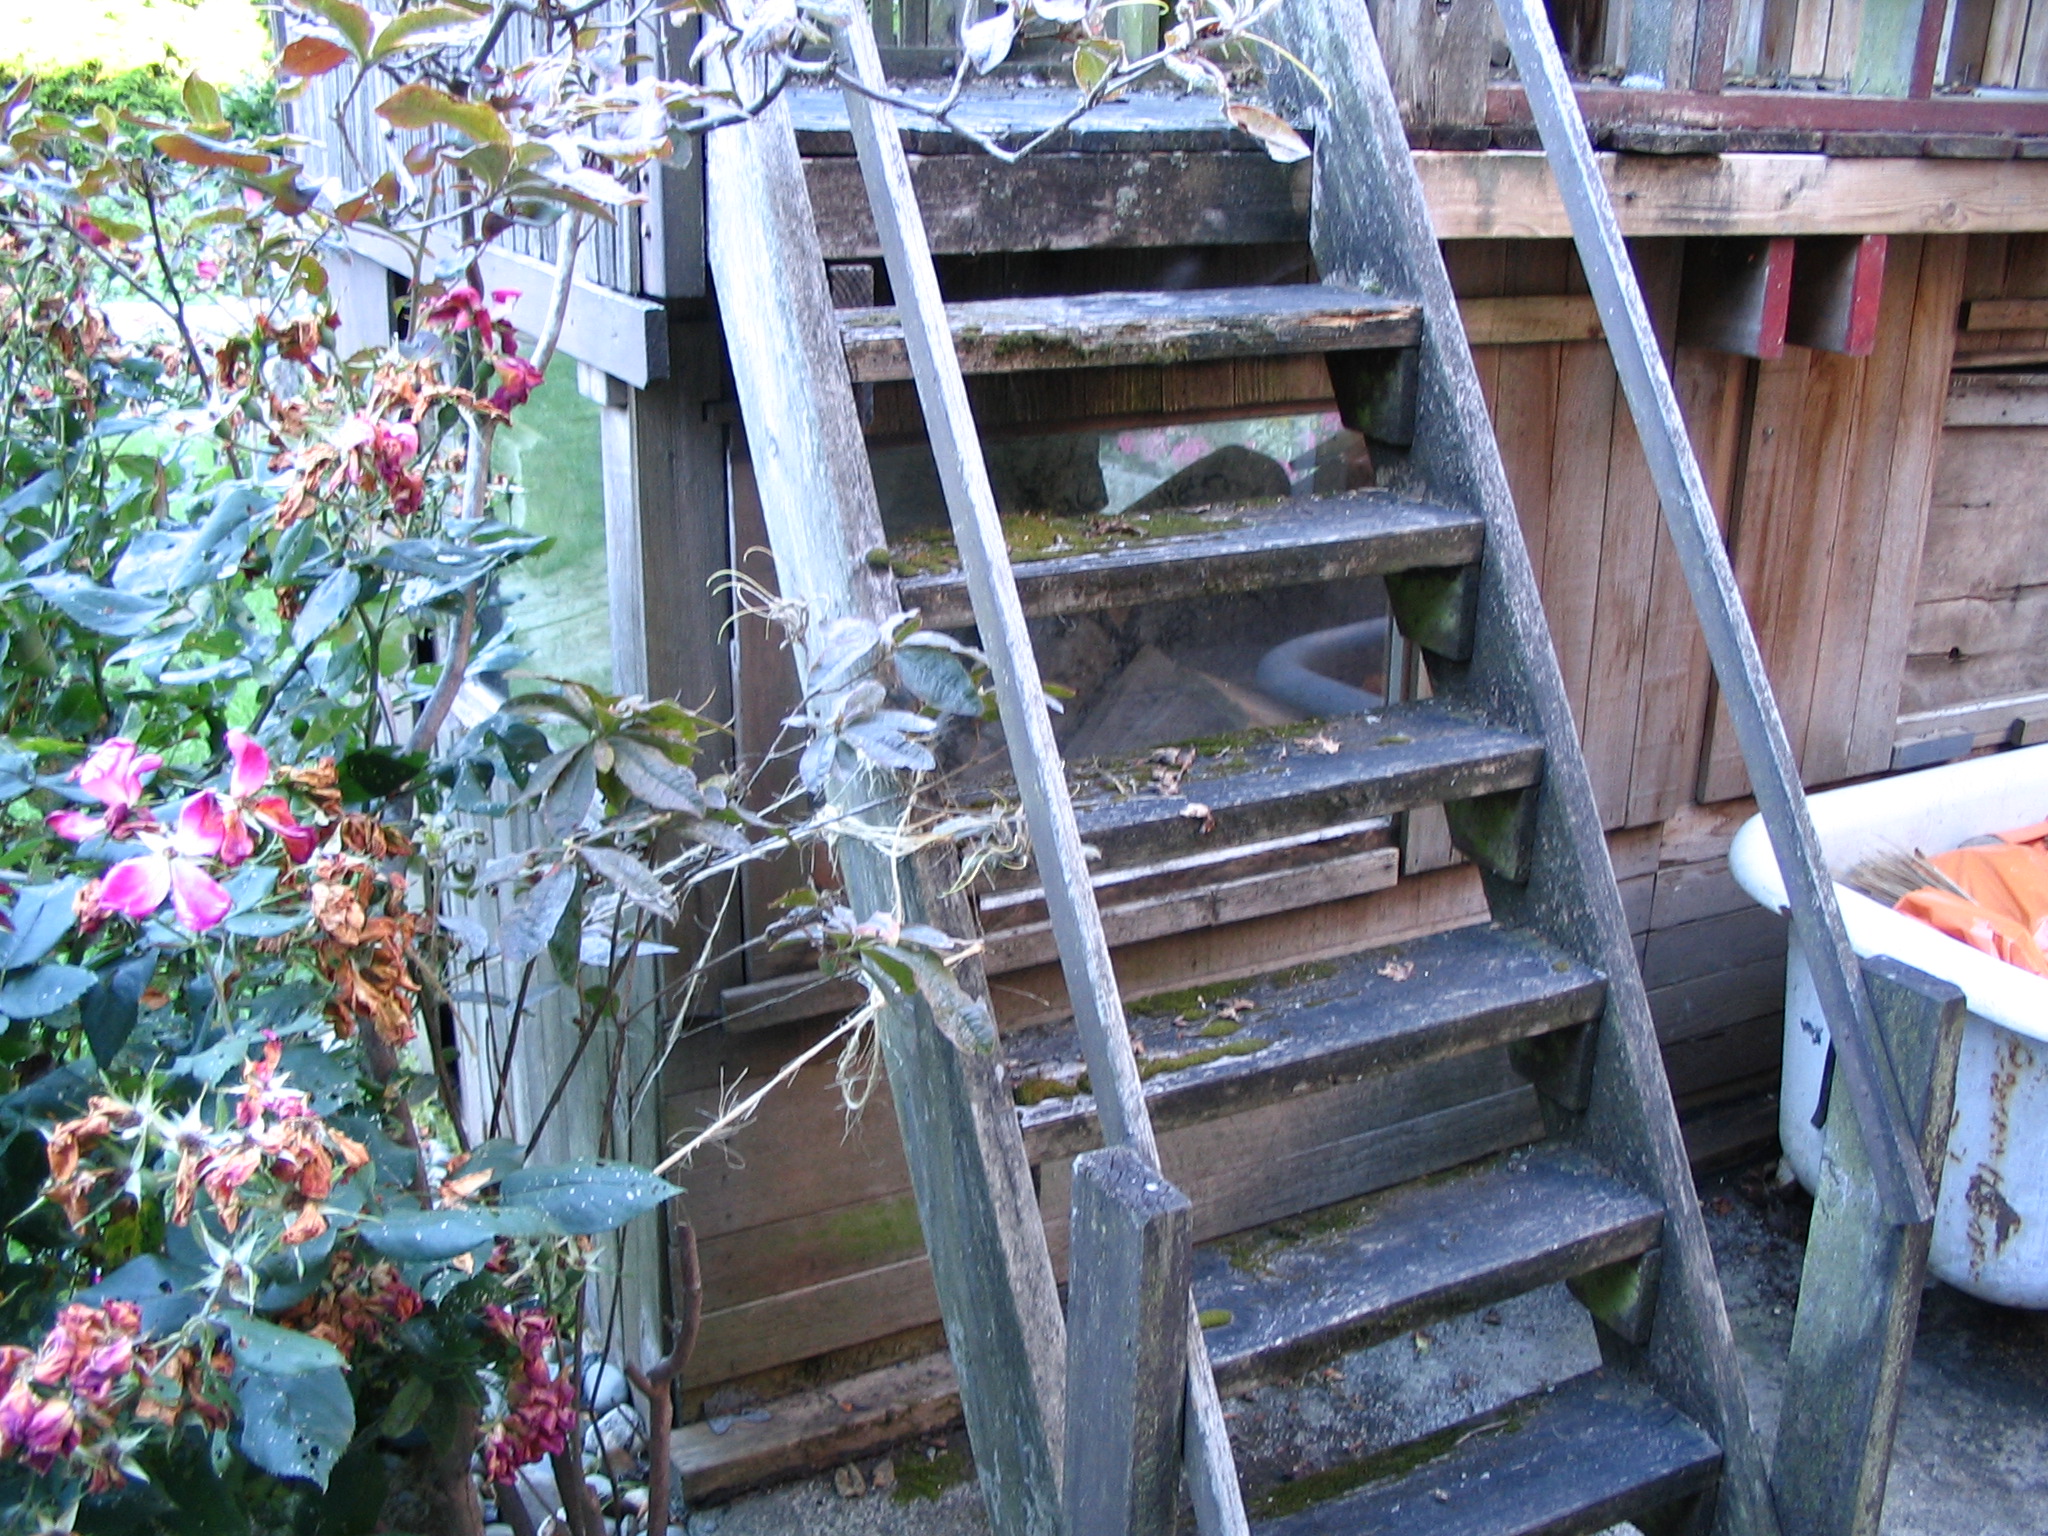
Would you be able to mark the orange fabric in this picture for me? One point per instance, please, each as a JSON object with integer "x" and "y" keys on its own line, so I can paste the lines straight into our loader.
{"x": 2006, "y": 915}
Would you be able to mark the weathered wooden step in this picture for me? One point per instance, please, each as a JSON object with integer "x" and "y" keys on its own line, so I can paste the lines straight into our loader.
{"x": 1104, "y": 330}
{"x": 1281, "y": 781}
{"x": 1589, "y": 1453}
{"x": 1243, "y": 549}
{"x": 1313, "y": 1028}
{"x": 1372, "y": 1268}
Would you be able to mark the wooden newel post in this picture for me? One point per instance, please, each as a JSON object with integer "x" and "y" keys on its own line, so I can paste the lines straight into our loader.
{"x": 1859, "y": 1296}
{"x": 1127, "y": 1346}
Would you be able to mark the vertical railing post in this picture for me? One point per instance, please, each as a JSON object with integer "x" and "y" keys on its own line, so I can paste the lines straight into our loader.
{"x": 1859, "y": 1294}
{"x": 1127, "y": 1345}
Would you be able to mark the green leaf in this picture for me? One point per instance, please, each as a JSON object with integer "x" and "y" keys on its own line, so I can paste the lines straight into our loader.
{"x": 938, "y": 680}
{"x": 264, "y": 1347}
{"x": 429, "y": 1237}
{"x": 296, "y": 1425}
{"x": 325, "y": 606}
{"x": 202, "y": 103}
{"x": 419, "y": 106}
{"x": 347, "y": 18}
{"x": 110, "y": 1009}
{"x": 636, "y": 882}
{"x": 100, "y": 609}
{"x": 650, "y": 774}
{"x": 569, "y": 796}
{"x": 41, "y": 915}
{"x": 376, "y": 773}
{"x": 432, "y": 26}
{"x": 44, "y": 990}
{"x": 524, "y": 934}
{"x": 585, "y": 1198}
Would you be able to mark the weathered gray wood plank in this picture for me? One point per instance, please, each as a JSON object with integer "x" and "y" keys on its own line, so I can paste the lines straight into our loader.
{"x": 1407, "y": 755}
{"x": 1104, "y": 330}
{"x": 1585, "y": 1455}
{"x": 1252, "y": 548}
{"x": 1373, "y": 1013}
{"x": 1412, "y": 1255}
{"x": 973, "y": 1186}
{"x": 1859, "y": 1293}
{"x": 1074, "y": 202}
{"x": 1127, "y": 1345}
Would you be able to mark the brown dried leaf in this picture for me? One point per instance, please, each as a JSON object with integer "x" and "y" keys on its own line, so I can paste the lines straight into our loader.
{"x": 1397, "y": 970}
{"x": 1194, "y": 810}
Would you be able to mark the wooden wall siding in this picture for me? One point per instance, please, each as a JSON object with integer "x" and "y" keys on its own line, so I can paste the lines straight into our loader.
{"x": 2004, "y": 267}
{"x": 1827, "y": 524}
{"x": 1620, "y": 619}
{"x": 1980, "y": 624}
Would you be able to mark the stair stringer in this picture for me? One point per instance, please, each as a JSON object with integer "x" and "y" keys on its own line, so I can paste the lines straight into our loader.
{"x": 975, "y": 1197}
{"x": 1370, "y": 227}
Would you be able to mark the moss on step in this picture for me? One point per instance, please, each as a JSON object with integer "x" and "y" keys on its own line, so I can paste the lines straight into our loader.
{"x": 923, "y": 1479}
{"x": 1214, "y": 1317}
{"x": 1038, "y": 536}
{"x": 1153, "y": 1066}
{"x": 1219, "y": 1029}
{"x": 1398, "y": 1461}
{"x": 1036, "y": 1090}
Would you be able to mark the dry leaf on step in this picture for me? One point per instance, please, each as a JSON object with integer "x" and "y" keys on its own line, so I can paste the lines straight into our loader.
{"x": 849, "y": 1482}
{"x": 1398, "y": 970}
{"x": 1194, "y": 810}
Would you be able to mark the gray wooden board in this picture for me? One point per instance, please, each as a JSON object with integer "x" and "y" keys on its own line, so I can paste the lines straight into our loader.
{"x": 958, "y": 1126}
{"x": 1382, "y": 1009}
{"x": 1585, "y": 1455}
{"x": 1407, "y": 755}
{"x": 1859, "y": 1293}
{"x": 1127, "y": 1345}
{"x": 1314, "y": 539}
{"x": 1073, "y": 202}
{"x": 1415, "y": 1254}
{"x": 1102, "y": 330}
{"x": 1141, "y": 120}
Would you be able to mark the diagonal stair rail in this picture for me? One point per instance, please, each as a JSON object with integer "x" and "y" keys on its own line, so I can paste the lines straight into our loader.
{"x": 1027, "y": 726}
{"x": 1866, "y": 1071}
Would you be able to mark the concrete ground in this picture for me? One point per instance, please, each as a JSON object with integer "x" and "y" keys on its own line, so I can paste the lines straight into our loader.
{"x": 1971, "y": 1457}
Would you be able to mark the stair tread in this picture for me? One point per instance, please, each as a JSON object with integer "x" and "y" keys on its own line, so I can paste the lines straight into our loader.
{"x": 1279, "y": 781}
{"x": 1590, "y": 1452}
{"x": 1375, "y": 1011}
{"x": 1245, "y": 548}
{"x": 1479, "y": 1234}
{"x": 1101, "y": 330}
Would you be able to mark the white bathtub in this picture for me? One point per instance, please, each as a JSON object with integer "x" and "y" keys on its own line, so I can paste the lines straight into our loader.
{"x": 1991, "y": 1219}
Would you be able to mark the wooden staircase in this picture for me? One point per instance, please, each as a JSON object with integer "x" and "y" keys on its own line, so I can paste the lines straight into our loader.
{"x": 1661, "y": 1434}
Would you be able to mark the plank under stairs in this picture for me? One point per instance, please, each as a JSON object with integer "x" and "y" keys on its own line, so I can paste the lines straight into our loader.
{"x": 1288, "y": 781}
{"x": 1244, "y": 549}
{"x": 1103, "y": 330}
{"x": 1412, "y": 1255}
{"x": 1373, "y": 1012}
{"x": 1587, "y": 1454}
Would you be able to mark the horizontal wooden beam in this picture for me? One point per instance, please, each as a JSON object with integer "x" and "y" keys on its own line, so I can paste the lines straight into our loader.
{"x": 1997, "y": 400}
{"x": 1522, "y": 321}
{"x": 1511, "y": 195}
{"x": 1817, "y": 111}
{"x": 615, "y": 333}
{"x": 2006, "y": 315}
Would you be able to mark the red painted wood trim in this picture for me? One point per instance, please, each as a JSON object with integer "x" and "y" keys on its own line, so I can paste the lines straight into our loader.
{"x": 1810, "y": 110}
{"x": 1926, "y": 49}
{"x": 1866, "y": 294}
{"x": 1777, "y": 308}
